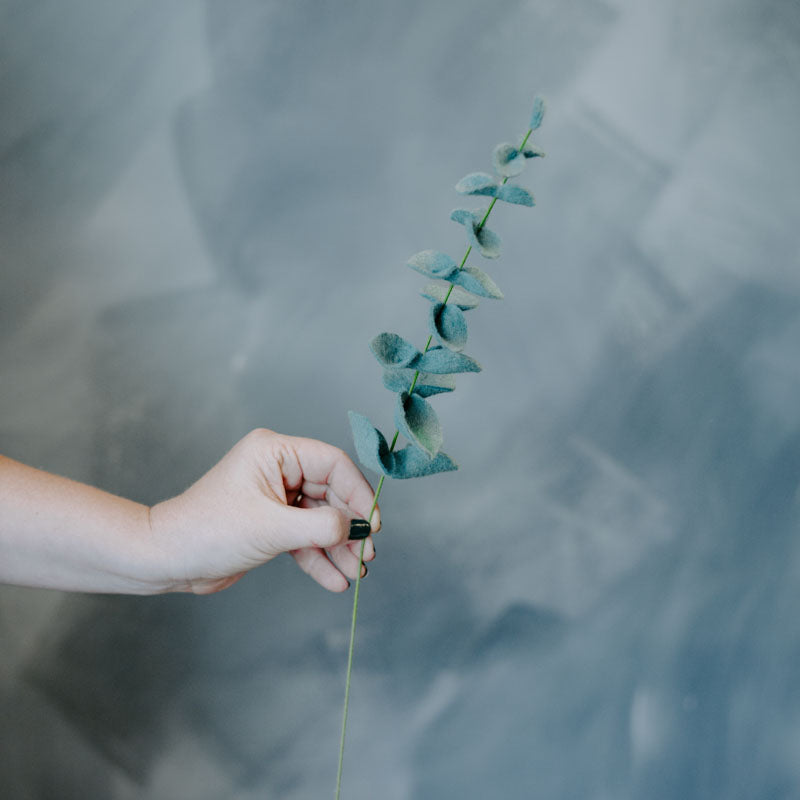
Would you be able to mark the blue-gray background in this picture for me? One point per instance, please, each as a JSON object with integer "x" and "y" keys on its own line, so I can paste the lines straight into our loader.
{"x": 205, "y": 209}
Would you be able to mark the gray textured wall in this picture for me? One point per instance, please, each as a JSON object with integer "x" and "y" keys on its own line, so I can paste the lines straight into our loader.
{"x": 205, "y": 209}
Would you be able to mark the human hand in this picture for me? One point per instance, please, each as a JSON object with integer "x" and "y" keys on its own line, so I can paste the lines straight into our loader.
{"x": 269, "y": 495}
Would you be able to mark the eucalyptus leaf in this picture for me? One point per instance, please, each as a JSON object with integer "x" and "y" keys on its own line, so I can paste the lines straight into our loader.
{"x": 480, "y": 183}
{"x": 448, "y": 324}
{"x": 441, "y": 361}
{"x": 417, "y": 421}
{"x": 515, "y": 194}
{"x": 400, "y": 380}
{"x": 488, "y": 243}
{"x": 480, "y": 237}
{"x": 371, "y": 446}
{"x": 463, "y": 216}
{"x": 433, "y": 264}
{"x": 507, "y": 160}
{"x": 478, "y": 282}
{"x": 532, "y": 150}
{"x": 392, "y": 350}
{"x": 409, "y": 462}
{"x": 537, "y": 115}
{"x": 436, "y": 293}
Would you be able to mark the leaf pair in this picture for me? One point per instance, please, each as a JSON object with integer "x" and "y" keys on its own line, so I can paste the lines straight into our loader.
{"x": 426, "y": 384}
{"x": 409, "y": 462}
{"x": 446, "y": 320}
{"x": 481, "y": 183}
{"x": 415, "y": 375}
{"x": 508, "y": 161}
{"x": 416, "y": 420}
{"x": 449, "y": 325}
{"x": 437, "y": 292}
{"x": 480, "y": 237}
{"x": 395, "y": 352}
{"x": 439, "y": 265}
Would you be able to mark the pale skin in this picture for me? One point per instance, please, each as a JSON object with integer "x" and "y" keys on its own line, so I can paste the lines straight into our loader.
{"x": 270, "y": 494}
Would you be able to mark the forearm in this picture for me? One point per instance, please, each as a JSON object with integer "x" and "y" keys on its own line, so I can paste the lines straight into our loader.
{"x": 271, "y": 494}
{"x": 60, "y": 534}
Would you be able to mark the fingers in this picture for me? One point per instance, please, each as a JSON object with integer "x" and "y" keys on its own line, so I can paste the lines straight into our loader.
{"x": 297, "y": 527}
{"x": 369, "y": 548}
{"x": 314, "y": 469}
{"x": 319, "y": 491}
{"x": 324, "y": 494}
{"x": 316, "y": 564}
{"x": 341, "y": 561}
{"x": 328, "y": 473}
{"x": 347, "y": 561}
{"x": 355, "y": 546}
{"x": 329, "y": 570}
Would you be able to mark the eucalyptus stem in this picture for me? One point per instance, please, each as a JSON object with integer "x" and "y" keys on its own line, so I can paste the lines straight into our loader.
{"x": 430, "y": 337}
{"x": 350, "y": 660}
{"x": 378, "y": 489}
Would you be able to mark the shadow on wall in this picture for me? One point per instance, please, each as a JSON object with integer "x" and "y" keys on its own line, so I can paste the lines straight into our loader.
{"x": 634, "y": 633}
{"x": 62, "y": 145}
{"x": 673, "y": 666}
{"x": 664, "y": 689}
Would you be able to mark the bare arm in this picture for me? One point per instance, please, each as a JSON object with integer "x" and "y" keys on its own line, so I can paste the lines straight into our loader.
{"x": 270, "y": 494}
{"x": 57, "y": 533}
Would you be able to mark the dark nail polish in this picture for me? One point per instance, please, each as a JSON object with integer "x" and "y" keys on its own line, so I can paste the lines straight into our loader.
{"x": 359, "y": 529}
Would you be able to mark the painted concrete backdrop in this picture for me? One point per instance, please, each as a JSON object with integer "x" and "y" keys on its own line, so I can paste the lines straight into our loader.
{"x": 205, "y": 213}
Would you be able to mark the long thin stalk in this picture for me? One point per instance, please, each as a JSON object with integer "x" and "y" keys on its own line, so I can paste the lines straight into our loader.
{"x": 378, "y": 489}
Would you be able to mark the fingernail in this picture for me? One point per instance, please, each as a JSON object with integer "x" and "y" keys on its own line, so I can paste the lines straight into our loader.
{"x": 359, "y": 529}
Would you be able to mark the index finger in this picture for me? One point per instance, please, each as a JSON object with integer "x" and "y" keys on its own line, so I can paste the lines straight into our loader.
{"x": 326, "y": 469}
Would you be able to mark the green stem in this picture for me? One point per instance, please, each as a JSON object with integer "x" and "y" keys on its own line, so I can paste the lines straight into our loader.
{"x": 375, "y": 505}
{"x": 350, "y": 665}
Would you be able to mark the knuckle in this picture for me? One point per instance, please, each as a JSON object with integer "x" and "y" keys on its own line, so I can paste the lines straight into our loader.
{"x": 259, "y": 435}
{"x": 257, "y": 440}
{"x": 332, "y": 524}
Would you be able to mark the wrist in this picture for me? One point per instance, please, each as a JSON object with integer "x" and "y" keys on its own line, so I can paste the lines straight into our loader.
{"x": 135, "y": 563}
{"x": 161, "y": 573}
{"x": 190, "y": 556}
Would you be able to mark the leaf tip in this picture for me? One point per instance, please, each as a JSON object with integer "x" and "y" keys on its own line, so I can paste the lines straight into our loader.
{"x": 538, "y": 112}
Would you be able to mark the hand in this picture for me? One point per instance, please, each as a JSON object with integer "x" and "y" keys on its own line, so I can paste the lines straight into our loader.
{"x": 269, "y": 495}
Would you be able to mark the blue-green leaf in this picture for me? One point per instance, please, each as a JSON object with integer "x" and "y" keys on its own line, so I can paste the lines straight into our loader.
{"x": 480, "y": 237}
{"x": 515, "y": 194}
{"x": 373, "y": 451}
{"x": 441, "y": 361}
{"x": 477, "y": 282}
{"x": 400, "y": 380}
{"x": 532, "y": 150}
{"x": 507, "y": 160}
{"x": 433, "y": 264}
{"x": 448, "y": 324}
{"x": 417, "y": 421}
{"x": 537, "y": 115}
{"x": 410, "y": 462}
{"x": 488, "y": 242}
{"x": 478, "y": 183}
{"x": 436, "y": 293}
{"x": 393, "y": 351}
{"x": 463, "y": 216}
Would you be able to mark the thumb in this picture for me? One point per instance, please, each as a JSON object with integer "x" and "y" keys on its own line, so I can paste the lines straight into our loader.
{"x": 321, "y": 527}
